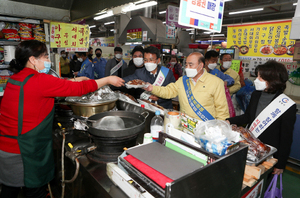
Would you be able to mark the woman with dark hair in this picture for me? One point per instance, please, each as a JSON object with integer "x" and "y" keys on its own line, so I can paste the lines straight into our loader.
{"x": 272, "y": 114}
{"x": 26, "y": 117}
{"x": 175, "y": 67}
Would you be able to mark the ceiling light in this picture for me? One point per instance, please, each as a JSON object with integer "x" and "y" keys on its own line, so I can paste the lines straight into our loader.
{"x": 162, "y": 12}
{"x": 294, "y": 4}
{"x": 141, "y": 1}
{"x": 128, "y": 43}
{"x": 139, "y": 6}
{"x": 164, "y": 22}
{"x": 207, "y": 32}
{"x": 137, "y": 43}
{"x": 244, "y": 11}
{"x": 191, "y": 33}
{"x": 107, "y": 23}
{"x": 112, "y": 30}
{"x": 217, "y": 35}
{"x": 213, "y": 40}
{"x": 92, "y": 26}
{"x": 107, "y": 14}
{"x": 190, "y": 29}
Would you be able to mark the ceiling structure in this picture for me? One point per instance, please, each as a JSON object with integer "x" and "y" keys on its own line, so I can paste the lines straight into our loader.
{"x": 272, "y": 10}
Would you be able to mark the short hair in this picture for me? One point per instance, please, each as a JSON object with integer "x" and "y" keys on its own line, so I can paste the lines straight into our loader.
{"x": 90, "y": 48}
{"x": 174, "y": 56}
{"x": 118, "y": 49}
{"x": 210, "y": 54}
{"x": 62, "y": 51}
{"x": 97, "y": 50}
{"x": 137, "y": 48}
{"x": 222, "y": 55}
{"x": 74, "y": 57}
{"x": 24, "y": 51}
{"x": 81, "y": 53}
{"x": 275, "y": 74}
{"x": 152, "y": 50}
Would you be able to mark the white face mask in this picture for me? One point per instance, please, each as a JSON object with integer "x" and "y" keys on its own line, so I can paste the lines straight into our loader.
{"x": 150, "y": 66}
{"x": 226, "y": 64}
{"x": 173, "y": 63}
{"x": 212, "y": 66}
{"x": 119, "y": 56}
{"x": 64, "y": 55}
{"x": 191, "y": 73}
{"x": 260, "y": 85}
{"x": 80, "y": 59}
{"x": 138, "y": 62}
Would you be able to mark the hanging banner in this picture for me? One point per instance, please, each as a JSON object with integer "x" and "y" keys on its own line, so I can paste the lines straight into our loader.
{"x": 134, "y": 35}
{"x": 66, "y": 35}
{"x": 202, "y": 14}
{"x": 103, "y": 41}
{"x": 262, "y": 41}
{"x": 170, "y": 32}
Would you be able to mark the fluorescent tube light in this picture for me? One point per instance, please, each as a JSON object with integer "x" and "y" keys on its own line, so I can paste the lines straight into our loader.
{"x": 162, "y": 12}
{"x": 107, "y": 14}
{"x": 164, "y": 22}
{"x": 141, "y": 1}
{"x": 213, "y": 40}
{"x": 92, "y": 26}
{"x": 217, "y": 35}
{"x": 294, "y": 4}
{"x": 139, "y": 6}
{"x": 191, "y": 33}
{"x": 244, "y": 11}
{"x": 111, "y": 22}
{"x": 112, "y": 30}
{"x": 137, "y": 43}
{"x": 128, "y": 43}
{"x": 189, "y": 29}
{"x": 207, "y": 32}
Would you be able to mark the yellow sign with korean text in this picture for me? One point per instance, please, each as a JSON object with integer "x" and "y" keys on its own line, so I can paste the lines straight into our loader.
{"x": 66, "y": 35}
{"x": 269, "y": 40}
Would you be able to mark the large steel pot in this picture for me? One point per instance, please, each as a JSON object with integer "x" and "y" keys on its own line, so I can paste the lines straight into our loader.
{"x": 89, "y": 109}
{"x": 138, "y": 119}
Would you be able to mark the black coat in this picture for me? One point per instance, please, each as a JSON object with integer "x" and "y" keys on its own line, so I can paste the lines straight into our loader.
{"x": 144, "y": 75}
{"x": 279, "y": 134}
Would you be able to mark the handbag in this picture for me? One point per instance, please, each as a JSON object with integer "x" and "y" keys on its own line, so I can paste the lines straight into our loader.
{"x": 272, "y": 191}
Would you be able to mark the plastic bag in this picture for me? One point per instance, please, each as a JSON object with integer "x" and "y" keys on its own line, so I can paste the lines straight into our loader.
{"x": 214, "y": 136}
{"x": 243, "y": 96}
{"x": 272, "y": 191}
{"x": 229, "y": 102}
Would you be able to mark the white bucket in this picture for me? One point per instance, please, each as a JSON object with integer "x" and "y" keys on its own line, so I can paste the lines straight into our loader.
{"x": 9, "y": 54}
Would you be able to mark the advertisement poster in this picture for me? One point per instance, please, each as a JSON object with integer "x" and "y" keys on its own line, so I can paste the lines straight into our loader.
{"x": 172, "y": 16}
{"x": 103, "y": 41}
{"x": 202, "y": 14}
{"x": 262, "y": 41}
{"x": 170, "y": 32}
{"x": 134, "y": 35}
{"x": 66, "y": 35}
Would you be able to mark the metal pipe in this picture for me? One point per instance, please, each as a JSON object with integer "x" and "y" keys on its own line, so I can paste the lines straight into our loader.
{"x": 76, "y": 172}
{"x": 63, "y": 166}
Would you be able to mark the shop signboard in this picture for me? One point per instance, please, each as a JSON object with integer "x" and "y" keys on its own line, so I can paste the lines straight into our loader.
{"x": 262, "y": 41}
{"x": 202, "y": 14}
{"x": 170, "y": 32}
{"x": 103, "y": 41}
{"x": 172, "y": 14}
{"x": 66, "y": 35}
{"x": 134, "y": 35}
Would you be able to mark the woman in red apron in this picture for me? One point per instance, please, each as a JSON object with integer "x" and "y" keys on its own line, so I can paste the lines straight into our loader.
{"x": 26, "y": 117}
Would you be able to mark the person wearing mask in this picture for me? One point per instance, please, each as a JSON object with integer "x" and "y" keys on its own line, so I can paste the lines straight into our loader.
{"x": 116, "y": 65}
{"x": 137, "y": 61}
{"x": 99, "y": 64}
{"x": 211, "y": 59}
{"x": 201, "y": 95}
{"x": 175, "y": 67}
{"x": 64, "y": 64}
{"x": 26, "y": 116}
{"x": 87, "y": 67}
{"x": 225, "y": 61}
{"x": 274, "y": 112}
{"x": 75, "y": 65}
{"x": 154, "y": 74}
{"x": 89, "y": 54}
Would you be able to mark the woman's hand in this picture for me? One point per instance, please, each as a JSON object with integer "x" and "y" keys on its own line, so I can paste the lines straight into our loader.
{"x": 115, "y": 81}
{"x": 75, "y": 73}
{"x": 277, "y": 171}
{"x": 149, "y": 87}
{"x": 154, "y": 98}
{"x": 78, "y": 79}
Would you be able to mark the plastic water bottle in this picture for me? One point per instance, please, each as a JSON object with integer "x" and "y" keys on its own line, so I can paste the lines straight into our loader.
{"x": 157, "y": 125}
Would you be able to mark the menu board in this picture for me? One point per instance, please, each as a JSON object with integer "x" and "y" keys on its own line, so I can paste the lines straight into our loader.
{"x": 66, "y": 35}
{"x": 202, "y": 14}
{"x": 134, "y": 35}
{"x": 262, "y": 41}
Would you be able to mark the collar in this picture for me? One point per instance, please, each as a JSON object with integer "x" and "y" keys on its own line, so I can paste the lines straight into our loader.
{"x": 201, "y": 78}
{"x": 223, "y": 70}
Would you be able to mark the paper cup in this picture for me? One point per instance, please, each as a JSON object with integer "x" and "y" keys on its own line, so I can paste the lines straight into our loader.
{"x": 147, "y": 138}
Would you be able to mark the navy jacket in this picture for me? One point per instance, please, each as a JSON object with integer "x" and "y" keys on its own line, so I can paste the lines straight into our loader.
{"x": 144, "y": 75}
{"x": 279, "y": 134}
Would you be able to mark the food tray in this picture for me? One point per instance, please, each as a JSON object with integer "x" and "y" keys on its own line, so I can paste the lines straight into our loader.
{"x": 135, "y": 86}
{"x": 125, "y": 98}
{"x": 259, "y": 161}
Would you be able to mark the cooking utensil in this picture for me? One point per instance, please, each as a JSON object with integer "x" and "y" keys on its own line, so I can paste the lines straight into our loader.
{"x": 134, "y": 123}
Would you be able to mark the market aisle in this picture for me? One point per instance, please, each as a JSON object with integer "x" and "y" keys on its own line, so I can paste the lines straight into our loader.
{"x": 291, "y": 184}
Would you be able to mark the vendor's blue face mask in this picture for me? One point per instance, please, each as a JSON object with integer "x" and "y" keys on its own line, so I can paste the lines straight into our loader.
{"x": 47, "y": 67}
